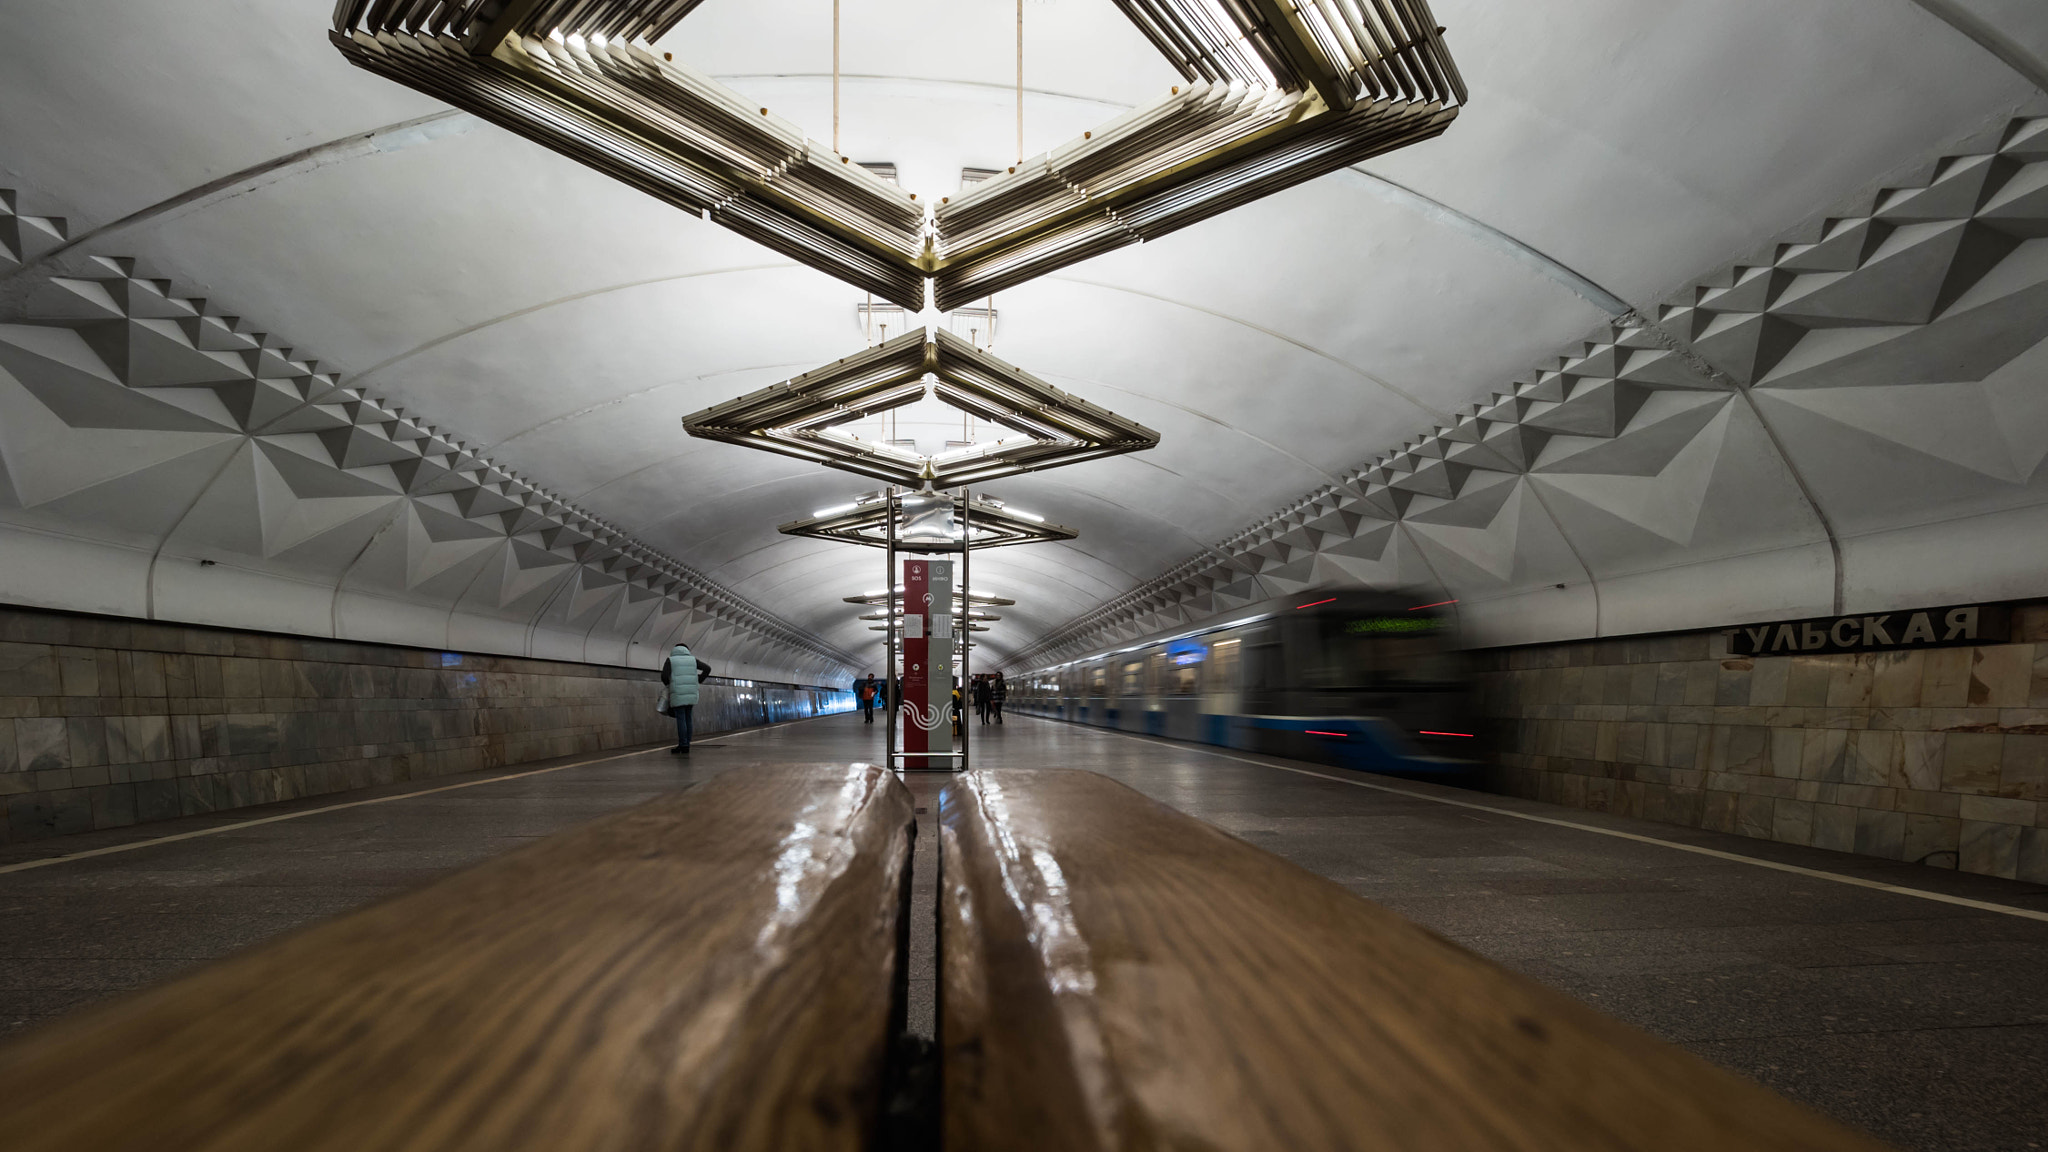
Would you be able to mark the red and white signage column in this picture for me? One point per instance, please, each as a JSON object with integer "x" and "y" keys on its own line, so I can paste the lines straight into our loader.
{"x": 927, "y": 663}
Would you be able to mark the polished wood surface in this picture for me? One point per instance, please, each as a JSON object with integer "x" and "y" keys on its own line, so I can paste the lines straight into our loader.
{"x": 1118, "y": 975}
{"x": 711, "y": 970}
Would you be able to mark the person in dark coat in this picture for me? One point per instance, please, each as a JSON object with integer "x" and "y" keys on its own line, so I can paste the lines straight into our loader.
{"x": 869, "y": 693}
{"x": 682, "y": 691}
{"x": 981, "y": 697}
{"x": 998, "y": 691}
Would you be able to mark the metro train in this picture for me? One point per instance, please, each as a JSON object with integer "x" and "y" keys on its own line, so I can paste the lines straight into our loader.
{"x": 1369, "y": 681}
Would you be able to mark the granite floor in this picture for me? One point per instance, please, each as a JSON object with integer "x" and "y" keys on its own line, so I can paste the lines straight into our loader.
{"x": 1923, "y": 1022}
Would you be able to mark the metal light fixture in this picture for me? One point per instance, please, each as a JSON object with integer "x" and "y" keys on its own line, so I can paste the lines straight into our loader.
{"x": 799, "y": 417}
{"x": 1277, "y": 92}
{"x": 927, "y": 522}
{"x": 879, "y": 599}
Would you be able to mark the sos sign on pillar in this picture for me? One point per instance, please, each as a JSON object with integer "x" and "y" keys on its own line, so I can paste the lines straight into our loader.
{"x": 927, "y": 661}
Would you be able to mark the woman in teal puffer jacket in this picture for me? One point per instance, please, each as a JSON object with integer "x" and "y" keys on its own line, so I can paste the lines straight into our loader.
{"x": 682, "y": 690}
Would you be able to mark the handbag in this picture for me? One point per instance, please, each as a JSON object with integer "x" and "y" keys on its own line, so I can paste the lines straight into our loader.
{"x": 661, "y": 702}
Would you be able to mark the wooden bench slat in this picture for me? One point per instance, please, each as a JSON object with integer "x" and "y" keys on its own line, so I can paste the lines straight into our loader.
{"x": 1118, "y": 975}
{"x": 710, "y": 970}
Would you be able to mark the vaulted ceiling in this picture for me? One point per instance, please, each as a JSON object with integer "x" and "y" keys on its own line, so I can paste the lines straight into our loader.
{"x": 1613, "y": 151}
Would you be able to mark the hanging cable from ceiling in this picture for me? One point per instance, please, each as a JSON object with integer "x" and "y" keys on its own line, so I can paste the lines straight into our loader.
{"x": 835, "y": 79}
{"x": 1020, "y": 81}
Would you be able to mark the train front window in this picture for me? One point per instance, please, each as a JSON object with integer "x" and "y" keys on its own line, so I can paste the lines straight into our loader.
{"x": 1380, "y": 651}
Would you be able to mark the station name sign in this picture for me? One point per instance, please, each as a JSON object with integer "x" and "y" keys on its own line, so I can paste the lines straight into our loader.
{"x": 1876, "y": 631}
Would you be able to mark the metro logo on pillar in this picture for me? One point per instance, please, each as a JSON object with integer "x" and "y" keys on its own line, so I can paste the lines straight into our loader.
{"x": 1875, "y": 631}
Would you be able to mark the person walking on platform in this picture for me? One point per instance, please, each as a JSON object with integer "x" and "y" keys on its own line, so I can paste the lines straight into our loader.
{"x": 867, "y": 692}
{"x": 682, "y": 690}
{"x": 998, "y": 691}
{"x": 981, "y": 697}
{"x": 956, "y": 707}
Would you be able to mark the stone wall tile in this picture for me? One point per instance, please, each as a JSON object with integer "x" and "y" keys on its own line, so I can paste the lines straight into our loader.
{"x": 1768, "y": 681}
{"x": 1920, "y": 758}
{"x": 1731, "y": 682}
{"x": 1881, "y": 834}
{"x": 1717, "y": 812}
{"x": 146, "y": 672}
{"x": 1834, "y": 827}
{"x": 28, "y": 670}
{"x": 1971, "y": 762}
{"x": 42, "y": 744}
{"x": 1749, "y": 749}
{"x": 1946, "y": 680}
{"x": 1631, "y": 742}
{"x": 1849, "y": 682}
{"x": 1998, "y": 810}
{"x": 1873, "y": 758}
{"x": 1990, "y": 849}
{"x": 1895, "y": 679}
{"x": 1786, "y": 751}
{"x": 241, "y": 678}
{"x": 2031, "y": 856}
{"x": 1702, "y": 680}
{"x": 1929, "y": 803}
{"x": 1929, "y": 836}
{"x": 78, "y": 671}
{"x": 185, "y": 743}
{"x": 2001, "y": 675}
{"x": 1806, "y": 685}
{"x": 2023, "y": 770}
{"x": 87, "y": 737}
{"x": 1822, "y": 754}
{"x": 1642, "y": 683}
{"x": 1753, "y": 815}
{"x": 1670, "y": 684}
{"x": 1792, "y": 822}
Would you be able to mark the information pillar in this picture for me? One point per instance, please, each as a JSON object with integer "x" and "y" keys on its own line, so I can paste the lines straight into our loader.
{"x": 927, "y": 663}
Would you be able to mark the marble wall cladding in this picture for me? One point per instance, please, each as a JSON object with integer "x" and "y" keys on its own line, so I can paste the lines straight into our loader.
{"x": 1938, "y": 756}
{"x": 105, "y": 722}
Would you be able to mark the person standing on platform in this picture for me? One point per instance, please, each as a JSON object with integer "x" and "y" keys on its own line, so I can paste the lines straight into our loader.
{"x": 981, "y": 689}
{"x": 957, "y": 714}
{"x": 682, "y": 690}
{"x": 998, "y": 691}
{"x": 867, "y": 691}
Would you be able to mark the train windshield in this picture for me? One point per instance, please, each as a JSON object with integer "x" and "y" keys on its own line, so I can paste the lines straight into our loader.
{"x": 1381, "y": 651}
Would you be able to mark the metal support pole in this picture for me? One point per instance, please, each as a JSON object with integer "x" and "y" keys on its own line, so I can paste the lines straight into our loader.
{"x": 889, "y": 662}
{"x": 966, "y": 629}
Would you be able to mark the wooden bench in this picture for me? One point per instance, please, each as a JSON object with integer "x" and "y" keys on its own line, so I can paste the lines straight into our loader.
{"x": 1117, "y": 975}
{"x": 714, "y": 970}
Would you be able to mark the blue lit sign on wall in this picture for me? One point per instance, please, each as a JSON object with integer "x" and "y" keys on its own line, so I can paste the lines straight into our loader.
{"x": 1185, "y": 652}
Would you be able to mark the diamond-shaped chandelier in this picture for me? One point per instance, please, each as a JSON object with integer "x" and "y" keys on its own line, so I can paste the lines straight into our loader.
{"x": 928, "y": 522}
{"x": 1277, "y": 92}
{"x": 801, "y": 417}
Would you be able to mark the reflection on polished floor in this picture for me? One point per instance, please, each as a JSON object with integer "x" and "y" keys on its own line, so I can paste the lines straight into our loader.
{"x": 1923, "y": 1021}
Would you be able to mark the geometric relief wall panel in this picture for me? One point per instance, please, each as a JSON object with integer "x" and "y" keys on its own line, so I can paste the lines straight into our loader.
{"x": 144, "y": 419}
{"x": 1890, "y": 359}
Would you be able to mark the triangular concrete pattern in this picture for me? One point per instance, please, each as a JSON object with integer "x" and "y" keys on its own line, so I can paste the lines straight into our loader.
{"x": 1666, "y": 502}
{"x": 49, "y": 457}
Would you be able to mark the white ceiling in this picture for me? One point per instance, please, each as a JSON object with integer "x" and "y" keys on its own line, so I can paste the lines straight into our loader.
{"x": 1612, "y": 150}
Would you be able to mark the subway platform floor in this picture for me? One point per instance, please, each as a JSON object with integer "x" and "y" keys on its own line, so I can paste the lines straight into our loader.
{"x": 1922, "y": 1020}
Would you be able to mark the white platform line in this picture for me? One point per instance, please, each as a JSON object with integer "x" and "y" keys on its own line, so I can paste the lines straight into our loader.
{"x": 131, "y": 846}
{"x": 1695, "y": 849}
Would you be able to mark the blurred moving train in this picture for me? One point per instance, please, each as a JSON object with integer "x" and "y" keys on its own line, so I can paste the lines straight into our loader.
{"x": 1370, "y": 681}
